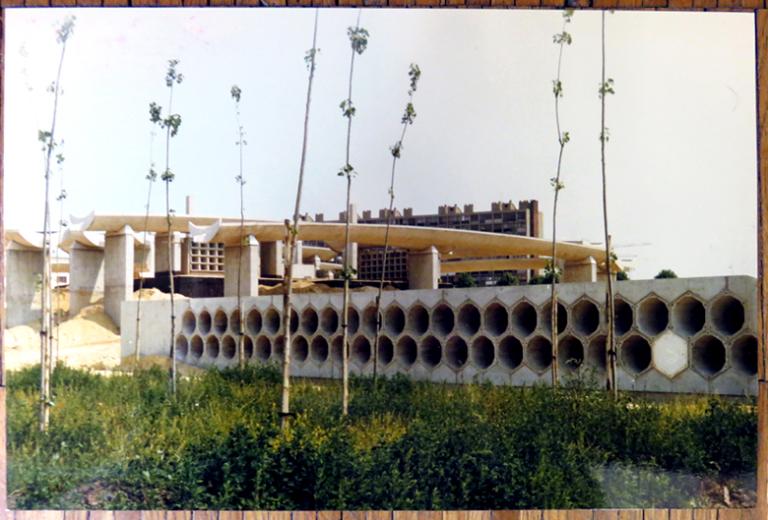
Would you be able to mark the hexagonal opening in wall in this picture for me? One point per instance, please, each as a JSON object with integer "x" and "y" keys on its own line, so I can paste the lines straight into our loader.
{"x": 220, "y": 322}
{"x": 272, "y": 321}
{"x": 204, "y": 322}
{"x": 468, "y": 319}
{"x": 299, "y": 349}
{"x": 406, "y": 351}
{"x": 688, "y": 315}
{"x": 430, "y": 351}
{"x": 294, "y": 321}
{"x": 443, "y": 320}
{"x": 248, "y": 347}
{"x": 309, "y": 321}
{"x": 353, "y": 320}
{"x": 196, "y": 347}
{"x": 234, "y": 322}
{"x": 596, "y": 354}
{"x": 510, "y": 352}
{"x": 570, "y": 354}
{"x": 539, "y": 354}
{"x": 337, "y": 347}
{"x": 418, "y": 320}
{"x": 369, "y": 320}
{"x": 386, "y": 350}
{"x": 188, "y": 322}
{"x": 623, "y": 317}
{"x": 278, "y": 349}
{"x": 708, "y": 355}
{"x": 228, "y": 347}
{"x": 524, "y": 319}
{"x": 253, "y": 322}
{"x": 744, "y": 355}
{"x": 727, "y": 314}
{"x": 263, "y": 348}
{"x": 361, "y": 350}
{"x": 318, "y": 349}
{"x": 635, "y": 354}
{"x": 546, "y": 317}
{"x": 585, "y": 317}
{"x": 496, "y": 319}
{"x": 182, "y": 346}
{"x": 212, "y": 347}
{"x": 394, "y": 320}
{"x": 483, "y": 353}
{"x": 652, "y": 315}
{"x": 329, "y": 320}
{"x": 456, "y": 352}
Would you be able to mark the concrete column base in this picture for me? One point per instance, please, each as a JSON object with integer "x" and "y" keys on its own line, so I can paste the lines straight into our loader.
{"x": 24, "y": 269}
{"x": 161, "y": 252}
{"x": 118, "y": 271}
{"x": 423, "y": 269}
{"x": 250, "y": 268}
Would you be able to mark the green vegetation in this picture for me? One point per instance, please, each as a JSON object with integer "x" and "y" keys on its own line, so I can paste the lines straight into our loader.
{"x": 507, "y": 278}
{"x": 465, "y": 280}
{"x": 665, "y": 273}
{"x": 124, "y": 442}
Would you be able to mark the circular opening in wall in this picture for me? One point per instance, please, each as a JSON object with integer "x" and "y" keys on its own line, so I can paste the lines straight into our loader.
{"x": 234, "y": 322}
{"x": 309, "y": 321}
{"x": 182, "y": 346}
{"x": 319, "y": 349}
{"x": 596, "y": 353}
{"x": 622, "y": 312}
{"x": 196, "y": 347}
{"x": 212, "y": 347}
{"x": 406, "y": 351}
{"x": 546, "y": 317}
{"x": 708, "y": 355}
{"x": 442, "y": 319}
{"x": 586, "y": 317}
{"x": 361, "y": 350}
{"x": 652, "y": 316}
{"x": 510, "y": 352}
{"x": 482, "y": 352}
{"x": 204, "y": 322}
{"x": 418, "y": 320}
{"x": 394, "y": 320}
{"x": 456, "y": 352}
{"x": 248, "y": 347}
{"x": 294, "y": 321}
{"x": 329, "y": 320}
{"x": 253, "y": 321}
{"x": 228, "y": 347}
{"x": 263, "y": 348}
{"x": 271, "y": 321}
{"x": 299, "y": 349}
{"x": 468, "y": 320}
{"x": 635, "y": 354}
{"x": 188, "y": 322}
{"x": 497, "y": 319}
{"x": 386, "y": 350}
{"x": 369, "y": 320}
{"x": 570, "y": 354}
{"x": 220, "y": 322}
{"x": 278, "y": 348}
{"x": 353, "y": 321}
{"x": 539, "y": 353}
{"x": 728, "y": 314}
{"x": 688, "y": 316}
{"x": 744, "y": 355}
{"x": 430, "y": 351}
{"x": 337, "y": 344}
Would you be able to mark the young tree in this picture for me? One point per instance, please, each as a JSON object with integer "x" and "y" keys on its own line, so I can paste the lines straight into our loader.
{"x": 48, "y": 140}
{"x": 358, "y": 39}
{"x": 465, "y": 280}
{"x": 562, "y": 39}
{"x": 665, "y": 274}
{"x": 170, "y": 124}
{"x": 291, "y": 233}
{"x": 235, "y": 92}
{"x": 409, "y": 114}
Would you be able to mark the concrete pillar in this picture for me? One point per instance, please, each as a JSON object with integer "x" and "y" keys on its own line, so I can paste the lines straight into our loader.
{"x": 250, "y": 268}
{"x": 423, "y": 269}
{"x": 580, "y": 271}
{"x": 86, "y": 276}
{"x": 161, "y": 252}
{"x": 353, "y": 249}
{"x": 24, "y": 268}
{"x": 145, "y": 256}
{"x": 272, "y": 262}
{"x": 118, "y": 271}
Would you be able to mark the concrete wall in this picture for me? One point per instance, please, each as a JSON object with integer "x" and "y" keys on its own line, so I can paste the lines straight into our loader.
{"x": 683, "y": 335}
{"x": 24, "y": 270}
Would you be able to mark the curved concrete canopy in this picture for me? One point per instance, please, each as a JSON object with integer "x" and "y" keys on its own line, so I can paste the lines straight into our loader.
{"x": 23, "y": 239}
{"x": 89, "y": 239}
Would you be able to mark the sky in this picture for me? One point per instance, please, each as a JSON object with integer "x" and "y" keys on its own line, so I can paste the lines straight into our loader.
{"x": 681, "y": 159}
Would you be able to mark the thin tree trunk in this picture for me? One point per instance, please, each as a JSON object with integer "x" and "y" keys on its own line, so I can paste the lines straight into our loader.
{"x": 170, "y": 245}
{"x": 241, "y": 333}
{"x": 150, "y": 180}
{"x": 292, "y": 232}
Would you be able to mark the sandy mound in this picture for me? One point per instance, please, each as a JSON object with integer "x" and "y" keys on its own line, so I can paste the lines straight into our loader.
{"x": 155, "y": 294}
{"x": 299, "y": 286}
{"x": 90, "y": 326}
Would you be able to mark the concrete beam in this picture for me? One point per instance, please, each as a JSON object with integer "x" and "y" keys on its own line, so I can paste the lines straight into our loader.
{"x": 118, "y": 271}
{"x": 249, "y": 260}
{"x": 423, "y": 268}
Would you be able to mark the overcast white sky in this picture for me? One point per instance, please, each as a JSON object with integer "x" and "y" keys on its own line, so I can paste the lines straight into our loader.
{"x": 681, "y": 159}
